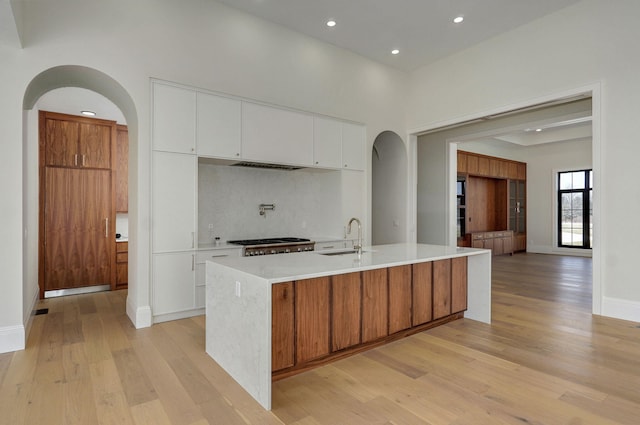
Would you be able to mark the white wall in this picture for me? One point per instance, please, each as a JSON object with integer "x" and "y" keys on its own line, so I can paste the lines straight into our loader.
{"x": 308, "y": 203}
{"x": 543, "y": 164}
{"x": 389, "y": 190}
{"x": 590, "y": 43}
{"x": 196, "y": 42}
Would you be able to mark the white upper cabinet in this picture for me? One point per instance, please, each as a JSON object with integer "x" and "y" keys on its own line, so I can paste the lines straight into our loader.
{"x": 174, "y": 189}
{"x": 327, "y": 142}
{"x": 174, "y": 119}
{"x": 276, "y": 135}
{"x": 354, "y": 138}
{"x": 218, "y": 126}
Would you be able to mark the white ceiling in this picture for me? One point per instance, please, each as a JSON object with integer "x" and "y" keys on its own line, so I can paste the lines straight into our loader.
{"x": 423, "y": 30}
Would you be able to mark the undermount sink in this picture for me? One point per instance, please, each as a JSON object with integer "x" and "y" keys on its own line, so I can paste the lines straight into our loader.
{"x": 343, "y": 252}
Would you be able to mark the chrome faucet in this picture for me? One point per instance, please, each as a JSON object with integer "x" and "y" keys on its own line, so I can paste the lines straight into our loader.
{"x": 357, "y": 247}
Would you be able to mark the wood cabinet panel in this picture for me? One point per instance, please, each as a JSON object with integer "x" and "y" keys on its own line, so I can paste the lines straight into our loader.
{"x": 458, "y": 284}
{"x": 312, "y": 318}
{"x": 522, "y": 171}
{"x": 95, "y": 145}
{"x": 122, "y": 169}
{"x": 122, "y": 275}
{"x": 60, "y": 141}
{"x": 441, "y": 288}
{"x": 71, "y": 141}
{"x": 462, "y": 162}
{"x": 77, "y": 237}
{"x": 472, "y": 164}
{"x": 422, "y": 293}
{"x": 282, "y": 326}
{"x": 346, "y": 293}
{"x": 483, "y": 166}
{"x": 512, "y": 170}
{"x": 375, "y": 299}
{"x": 399, "y": 298}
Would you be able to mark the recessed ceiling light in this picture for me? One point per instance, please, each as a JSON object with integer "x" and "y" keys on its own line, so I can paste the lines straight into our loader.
{"x": 331, "y": 23}
{"x": 538, "y": 130}
{"x": 88, "y": 113}
{"x": 395, "y": 51}
{"x": 458, "y": 19}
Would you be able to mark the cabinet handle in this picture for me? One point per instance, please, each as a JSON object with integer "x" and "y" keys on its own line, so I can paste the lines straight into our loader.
{"x": 83, "y": 159}
{"x": 193, "y": 262}
{"x": 106, "y": 227}
{"x": 75, "y": 159}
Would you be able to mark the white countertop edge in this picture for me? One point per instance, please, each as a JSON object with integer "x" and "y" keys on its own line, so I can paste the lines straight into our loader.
{"x": 333, "y": 269}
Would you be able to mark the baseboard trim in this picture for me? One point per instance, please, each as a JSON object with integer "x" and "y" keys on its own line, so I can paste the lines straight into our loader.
{"x": 178, "y": 315}
{"x": 12, "y": 338}
{"x": 544, "y": 249}
{"x": 29, "y": 316}
{"x": 139, "y": 316}
{"x": 621, "y": 309}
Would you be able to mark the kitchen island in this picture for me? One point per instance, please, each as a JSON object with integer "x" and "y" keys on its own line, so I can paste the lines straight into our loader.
{"x": 284, "y": 313}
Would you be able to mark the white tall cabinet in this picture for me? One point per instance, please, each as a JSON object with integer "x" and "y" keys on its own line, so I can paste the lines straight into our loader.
{"x": 173, "y": 202}
{"x": 188, "y": 123}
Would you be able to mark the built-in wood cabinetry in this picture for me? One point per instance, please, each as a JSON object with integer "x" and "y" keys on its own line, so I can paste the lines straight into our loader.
{"x": 499, "y": 243}
{"x": 491, "y": 199}
{"x": 312, "y": 313}
{"x": 400, "y": 297}
{"x": 122, "y": 169}
{"x": 122, "y": 264}
{"x": 375, "y": 302}
{"x": 346, "y": 295}
{"x": 77, "y": 212}
{"x": 316, "y": 320}
{"x": 282, "y": 326}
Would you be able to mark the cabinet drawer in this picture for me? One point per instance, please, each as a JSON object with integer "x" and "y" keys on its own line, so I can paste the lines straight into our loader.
{"x": 122, "y": 246}
{"x": 203, "y": 256}
{"x": 122, "y": 257}
{"x": 477, "y": 236}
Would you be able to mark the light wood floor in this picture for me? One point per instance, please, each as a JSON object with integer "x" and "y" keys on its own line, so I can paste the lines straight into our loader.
{"x": 544, "y": 360}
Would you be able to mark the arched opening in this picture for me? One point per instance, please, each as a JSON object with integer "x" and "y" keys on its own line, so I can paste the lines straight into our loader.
{"x": 388, "y": 189}
{"x": 68, "y": 76}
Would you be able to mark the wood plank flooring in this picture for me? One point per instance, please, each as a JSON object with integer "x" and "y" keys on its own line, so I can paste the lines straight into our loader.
{"x": 544, "y": 360}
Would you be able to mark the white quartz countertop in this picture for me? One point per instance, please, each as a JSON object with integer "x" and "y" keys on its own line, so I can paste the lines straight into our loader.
{"x": 306, "y": 265}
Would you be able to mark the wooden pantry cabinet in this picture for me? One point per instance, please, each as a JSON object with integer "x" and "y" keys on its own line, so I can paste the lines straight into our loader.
{"x": 491, "y": 207}
{"x": 317, "y": 320}
{"x": 77, "y": 209}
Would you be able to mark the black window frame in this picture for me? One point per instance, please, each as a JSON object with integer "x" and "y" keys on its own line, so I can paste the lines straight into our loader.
{"x": 587, "y": 193}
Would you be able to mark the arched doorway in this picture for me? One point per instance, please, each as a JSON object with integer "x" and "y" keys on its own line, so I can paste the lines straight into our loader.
{"x": 46, "y": 81}
{"x": 389, "y": 189}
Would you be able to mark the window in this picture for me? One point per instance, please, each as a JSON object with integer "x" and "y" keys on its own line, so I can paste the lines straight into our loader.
{"x": 575, "y": 209}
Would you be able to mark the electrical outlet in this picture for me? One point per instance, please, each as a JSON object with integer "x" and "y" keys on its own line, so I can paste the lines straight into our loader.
{"x": 238, "y": 291}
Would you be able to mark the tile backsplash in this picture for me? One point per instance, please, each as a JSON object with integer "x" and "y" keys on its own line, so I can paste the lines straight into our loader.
{"x": 307, "y": 203}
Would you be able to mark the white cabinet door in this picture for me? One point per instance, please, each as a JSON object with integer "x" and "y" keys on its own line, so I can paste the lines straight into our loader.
{"x": 327, "y": 142}
{"x": 174, "y": 119}
{"x": 353, "y": 142}
{"x": 174, "y": 201}
{"x": 276, "y": 135}
{"x": 173, "y": 282}
{"x": 218, "y": 126}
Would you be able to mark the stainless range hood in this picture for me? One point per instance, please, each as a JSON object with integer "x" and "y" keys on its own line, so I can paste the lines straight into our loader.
{"x": 266, "y": 165}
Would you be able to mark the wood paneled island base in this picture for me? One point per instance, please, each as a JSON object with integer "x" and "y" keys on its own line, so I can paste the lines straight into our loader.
{"x": 274, "y": 316}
